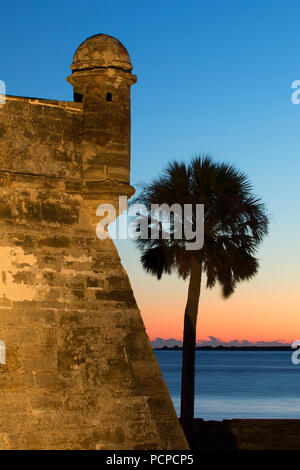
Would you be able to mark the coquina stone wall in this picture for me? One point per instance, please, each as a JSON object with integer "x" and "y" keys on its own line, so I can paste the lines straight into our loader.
{"x": 80, "y": 372}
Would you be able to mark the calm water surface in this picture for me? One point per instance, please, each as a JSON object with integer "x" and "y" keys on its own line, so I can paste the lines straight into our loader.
{"x": 238, "y": 384}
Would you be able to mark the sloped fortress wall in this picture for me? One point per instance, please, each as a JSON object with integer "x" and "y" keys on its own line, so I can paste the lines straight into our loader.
{"x": 80, "y": 372}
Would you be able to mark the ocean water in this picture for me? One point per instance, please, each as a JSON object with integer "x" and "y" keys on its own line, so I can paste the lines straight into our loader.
{"x": 237, "y": 384}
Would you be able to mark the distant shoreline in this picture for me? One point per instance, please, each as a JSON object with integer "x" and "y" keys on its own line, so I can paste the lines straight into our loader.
{"x": 229, "y": 348}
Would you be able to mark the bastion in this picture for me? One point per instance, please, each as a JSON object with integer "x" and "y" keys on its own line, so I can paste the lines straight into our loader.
{"x": 80, "y": 372}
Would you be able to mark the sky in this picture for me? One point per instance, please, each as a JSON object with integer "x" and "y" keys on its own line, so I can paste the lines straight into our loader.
{"x": 213, "y": 77}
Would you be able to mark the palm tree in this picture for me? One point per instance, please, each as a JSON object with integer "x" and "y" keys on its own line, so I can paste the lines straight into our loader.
{"x": 235, "y": 222}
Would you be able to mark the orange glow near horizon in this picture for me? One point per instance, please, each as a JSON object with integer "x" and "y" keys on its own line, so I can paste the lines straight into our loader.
{"x": 251, "y": 313}
{"x": 266, "y": 308}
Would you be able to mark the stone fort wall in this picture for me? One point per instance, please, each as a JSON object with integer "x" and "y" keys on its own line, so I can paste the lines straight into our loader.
{"x": 80, "y": 372}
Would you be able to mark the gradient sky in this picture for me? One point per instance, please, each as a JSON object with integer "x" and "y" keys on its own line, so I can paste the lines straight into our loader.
{"x": 214, "y": 77}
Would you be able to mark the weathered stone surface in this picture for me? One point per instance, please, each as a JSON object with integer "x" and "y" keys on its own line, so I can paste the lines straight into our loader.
{"x": 80, "y": 372}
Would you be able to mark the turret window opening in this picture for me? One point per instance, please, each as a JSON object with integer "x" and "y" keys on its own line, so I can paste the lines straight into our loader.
{"x": 108, "y": 97}
{"x": 78, "y": 97}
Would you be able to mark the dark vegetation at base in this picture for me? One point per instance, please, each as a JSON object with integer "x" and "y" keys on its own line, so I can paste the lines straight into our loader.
{"x": 246, "y": 434}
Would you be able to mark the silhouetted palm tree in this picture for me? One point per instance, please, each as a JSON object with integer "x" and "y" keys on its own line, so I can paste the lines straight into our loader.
{"x": 235, "y": 222}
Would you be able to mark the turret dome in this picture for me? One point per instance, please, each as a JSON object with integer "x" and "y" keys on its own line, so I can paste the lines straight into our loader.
{"x": 101, "y": 51}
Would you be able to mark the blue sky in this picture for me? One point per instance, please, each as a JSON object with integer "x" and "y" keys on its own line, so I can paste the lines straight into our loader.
{"x": 213, "y": 77}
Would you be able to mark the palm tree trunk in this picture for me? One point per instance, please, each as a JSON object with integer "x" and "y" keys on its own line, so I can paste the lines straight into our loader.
{"x": 188, "y": 353}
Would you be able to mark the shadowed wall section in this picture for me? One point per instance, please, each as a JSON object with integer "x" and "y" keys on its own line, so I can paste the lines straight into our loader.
{"x": 80, "y": 372}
